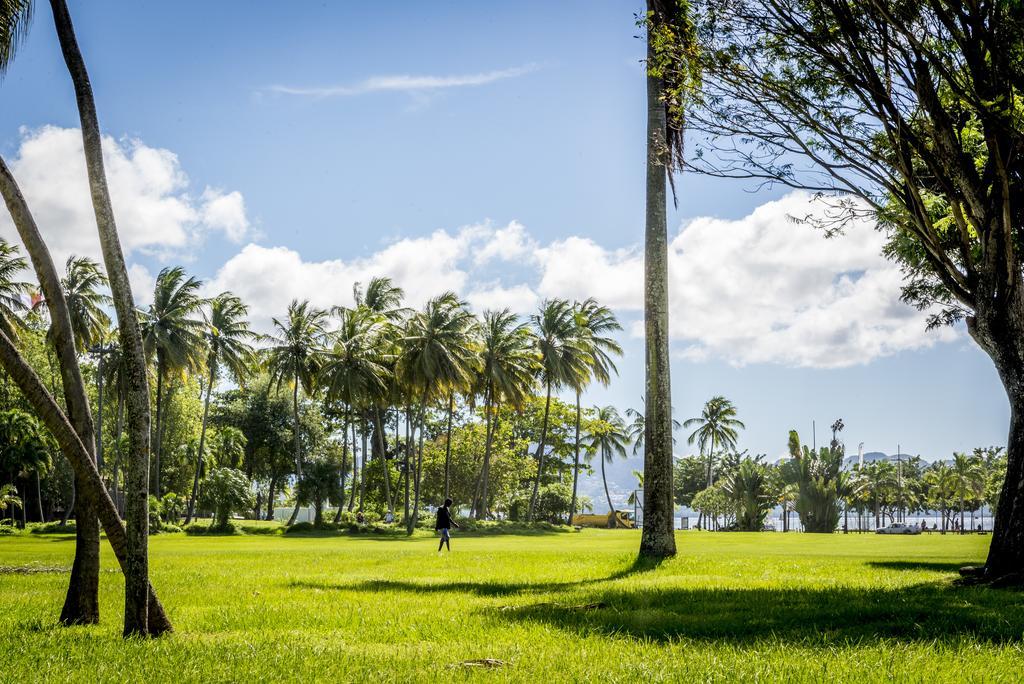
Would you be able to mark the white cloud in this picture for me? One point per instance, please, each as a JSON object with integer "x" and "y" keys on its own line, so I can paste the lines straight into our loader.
{"x": 143, "y": 283}
{"x": 761, "y": 289}
{"x": 155, "y": 213}
{"x": 521, "y": 299}
{"x": 404, "y": 83}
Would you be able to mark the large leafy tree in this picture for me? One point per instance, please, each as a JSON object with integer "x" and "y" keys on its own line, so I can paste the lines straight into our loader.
{"x": 563, "y": 361}
{"x": 173, "y": 332}
{"x": 596, "y": 323}
{"x": 229, "y": 349}
{"x": 907, "y": 114}
{"x": 294, "y": 358}
{"x": 507, "y": 365}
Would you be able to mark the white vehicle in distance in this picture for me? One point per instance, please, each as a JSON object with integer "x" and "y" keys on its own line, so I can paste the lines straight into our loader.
{"x": 899, "y": 528}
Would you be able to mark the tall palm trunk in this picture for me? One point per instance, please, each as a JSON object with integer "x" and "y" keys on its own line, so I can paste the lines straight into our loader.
{"x": 355, "y": 467}
{"x": 92, "y": 491}
{"x": 604, "y": 480}
{"x": 658, "y": 537}
{"x": 576, "y": 462}
{"x": 159, "y": 413}
{"x": 448, "y": 442}
{"x": 489, "y": 429}
{"x": 362, "y": 471}
{"x": 540, "y": 454}
{"x": 297, "y": 446}
{"x": 711, "y": 460}
{"x": 344, "y": 466}
{"x": 202, "y": 442}
{"x": 411, "y": 524}
{"x": 385, "y": 468}
{"x": 39, "y": 498}
{"x": 81, "y": 604}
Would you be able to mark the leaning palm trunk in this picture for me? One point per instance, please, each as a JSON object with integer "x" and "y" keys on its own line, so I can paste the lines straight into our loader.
{"x": 81, "y": 605}
{"x": 540, "y": 454}
{"x": 202, "y": 443}
{"x": 658, "y": 537}
{"x": 92, "y": 491}
{"x": 297, "y": 446}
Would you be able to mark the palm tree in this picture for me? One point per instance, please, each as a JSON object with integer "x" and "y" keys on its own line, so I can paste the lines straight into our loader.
{"x": 638, "y": 425}
{"x": 670, "y": 41}
{"x": 608, "y": 438}
{"x": 439, "y": 354}
{"x": 716, "y": 427}
{"x": 173, "y": 332}
{"x": 144, "y": 615}
{"x": 81, "y": 284}
{"x": 507, "y": 365}
{"x": 228, "y": 340}
{"x": 11, "y": 265}
{"x": 354, "y": 371}
{"x": 22, "y": 449}
{"x": 9, "y": 499}
{"x": 595, "y": 323}
{"x": 564, "y": 359}
{"x": 968, "y": 478}
{"x": 293, "y": 358}
{"x": 383, "y": 298}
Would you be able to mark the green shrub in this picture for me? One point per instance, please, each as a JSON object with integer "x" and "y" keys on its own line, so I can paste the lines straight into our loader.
{"x": 53, "y": 528}
{"x": 226, "y": 491}
{"x": 166, "y": 528}
{"x": 199, "y": 529}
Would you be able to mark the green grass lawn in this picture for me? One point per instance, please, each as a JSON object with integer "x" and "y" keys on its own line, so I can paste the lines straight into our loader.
{"x": 554, "y": 607}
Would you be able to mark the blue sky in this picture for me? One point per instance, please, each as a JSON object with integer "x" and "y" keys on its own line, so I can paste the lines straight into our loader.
{"x": 280, "y": 148}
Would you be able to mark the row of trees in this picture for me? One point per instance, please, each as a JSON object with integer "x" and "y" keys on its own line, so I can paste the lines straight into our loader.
{"x": 349, "y": 373}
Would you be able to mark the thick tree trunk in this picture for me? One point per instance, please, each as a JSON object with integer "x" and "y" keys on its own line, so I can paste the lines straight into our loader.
{"x": 658, "y": 537}
{"x": 81, "y": 460}
{"x": 1001, "y": 335}
{"x": 158, "y": 432}
{"x": 540, "y": 454}
{"x": 202, "y": 443}
{"x": 298, "y": 449}
{"x": 81, "y": 605}
{"x": 576, "y": 462}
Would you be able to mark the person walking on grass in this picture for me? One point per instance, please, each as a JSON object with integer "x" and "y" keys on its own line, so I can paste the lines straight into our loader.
{"x": 443, "y": 524}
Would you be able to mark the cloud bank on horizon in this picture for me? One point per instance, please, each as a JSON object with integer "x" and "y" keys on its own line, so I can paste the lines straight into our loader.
{"x": 759, "y": 289}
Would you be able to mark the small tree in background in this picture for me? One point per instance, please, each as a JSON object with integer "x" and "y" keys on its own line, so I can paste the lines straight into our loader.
{"x": 226, "y": 491}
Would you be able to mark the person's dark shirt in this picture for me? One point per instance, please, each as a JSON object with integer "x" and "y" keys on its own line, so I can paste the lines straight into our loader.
{"x": 444, "y": 519}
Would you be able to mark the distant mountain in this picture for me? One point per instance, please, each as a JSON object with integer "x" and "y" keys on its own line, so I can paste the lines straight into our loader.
{"x": 872, "y": 457}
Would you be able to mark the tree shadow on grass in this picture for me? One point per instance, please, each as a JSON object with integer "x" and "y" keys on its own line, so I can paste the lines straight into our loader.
{"x": 934, "y": 566}
{"x": 497, "y": 588}
{"x": 828, "y": 616}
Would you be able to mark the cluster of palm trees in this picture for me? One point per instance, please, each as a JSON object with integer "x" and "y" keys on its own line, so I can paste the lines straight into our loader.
{"x": 366, "y": 362}
{"x": 379, "y": 358}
